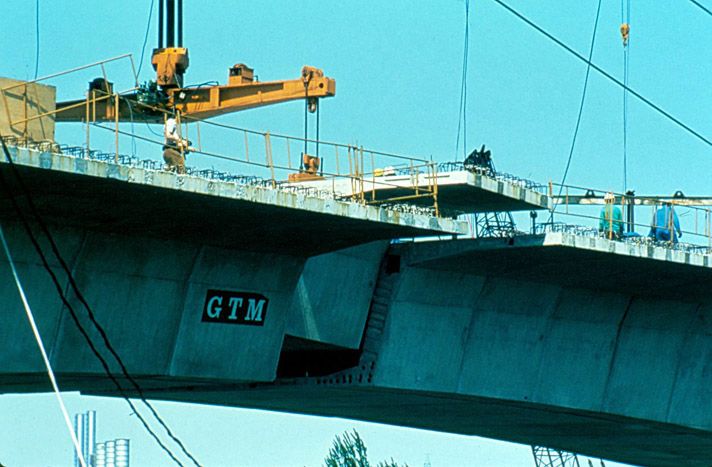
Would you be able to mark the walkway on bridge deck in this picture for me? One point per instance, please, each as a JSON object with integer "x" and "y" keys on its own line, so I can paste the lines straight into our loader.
{"x": 459, "y": 192}
{"x": 109, "y": 197}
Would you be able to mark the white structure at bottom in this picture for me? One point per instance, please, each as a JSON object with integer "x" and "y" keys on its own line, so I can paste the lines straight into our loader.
{"x": 114, "y": 453}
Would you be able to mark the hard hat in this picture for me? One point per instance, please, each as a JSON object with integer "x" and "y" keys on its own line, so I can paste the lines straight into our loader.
{"x": 609, "y": 197}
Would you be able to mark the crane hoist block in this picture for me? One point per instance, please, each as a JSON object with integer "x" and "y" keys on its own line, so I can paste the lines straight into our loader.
{"x": 170, "y": 63}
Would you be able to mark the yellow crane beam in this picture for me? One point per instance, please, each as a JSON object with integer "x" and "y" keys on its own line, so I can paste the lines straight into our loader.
{"x": 241, "y": 92}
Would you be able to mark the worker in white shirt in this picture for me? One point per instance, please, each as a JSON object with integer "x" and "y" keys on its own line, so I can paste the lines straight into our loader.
{"x": 175, "y": 147}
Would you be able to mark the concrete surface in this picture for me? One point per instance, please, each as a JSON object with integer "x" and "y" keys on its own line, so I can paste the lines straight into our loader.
{"x": 578, "y": 343}
{"x": 107, "y": 197}
{"x": 332, "y": 299}
{"x": 149, "y": 296}
{"x": 458, "y": 192}
{"x": 473, "y": 344}
{"x": 575, "y": 261}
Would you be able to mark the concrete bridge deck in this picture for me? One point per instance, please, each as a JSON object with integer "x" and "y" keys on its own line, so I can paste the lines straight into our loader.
{"x": 579, "y": 343}
{"x": 108, "y": 197}
{"x": 459, "y": 191}
{"x": 571, "y": 260}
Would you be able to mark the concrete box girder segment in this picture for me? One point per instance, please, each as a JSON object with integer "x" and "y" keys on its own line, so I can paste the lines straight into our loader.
{"x": 459, "y": 192}
{"x": 493, "y": 346}
{"x": 109, "y": 197}
{"x": 571, "y": 260}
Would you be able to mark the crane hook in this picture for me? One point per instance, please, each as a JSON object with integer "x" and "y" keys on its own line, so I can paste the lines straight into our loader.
{"x": 625, "y": 31}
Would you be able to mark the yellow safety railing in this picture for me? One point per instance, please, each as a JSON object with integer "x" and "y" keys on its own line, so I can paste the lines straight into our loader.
{"x": 347, "y": 171}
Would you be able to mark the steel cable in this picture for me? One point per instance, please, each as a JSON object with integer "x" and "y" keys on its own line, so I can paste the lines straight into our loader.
{"x": 90, "y": 313}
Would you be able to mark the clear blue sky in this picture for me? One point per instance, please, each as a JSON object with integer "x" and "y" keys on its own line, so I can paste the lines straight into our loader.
{"x": 397, "y": 65}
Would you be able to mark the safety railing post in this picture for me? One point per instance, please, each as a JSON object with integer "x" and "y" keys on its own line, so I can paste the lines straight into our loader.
{"x": 435, "y": 189}
{"x": 116, "y": 123}
{"x": 197, "y": 129}
{"x": 180, "y": 135}
{"x": 697, "y": 211}
{"x": 24, "y": 104}
{"x": 610, "y": 220}
{"x": 86, "y": 120}
{"x": 336, "y": 153}
{"x": 133, "y": 70}
{"x": 373, "y": 178}
{"x": 567, "y": 200}
{"x": 709, "y": 229}
{"x": 362, "y": 176}
{"x": 289, "y": 154}
{"x": 247, "y": 148}
{"x": 268, "y": 155}
{"x": 351, "y": 172}
{"x": 417, "y": 178}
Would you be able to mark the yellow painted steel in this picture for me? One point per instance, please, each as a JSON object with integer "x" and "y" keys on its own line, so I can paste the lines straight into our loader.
{"x": 243, "y": 94}
{"x": 170, "y": 63}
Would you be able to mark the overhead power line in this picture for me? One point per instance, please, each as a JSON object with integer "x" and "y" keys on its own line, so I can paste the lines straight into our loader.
{"x": 603, "y": 72}
{"x": 145, "y": 38}
{"x": 701, "y": 7}
{"x": 583, "y": 100}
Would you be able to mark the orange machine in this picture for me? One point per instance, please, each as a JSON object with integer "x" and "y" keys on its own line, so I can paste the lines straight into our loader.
{"x": 168, "y": 94}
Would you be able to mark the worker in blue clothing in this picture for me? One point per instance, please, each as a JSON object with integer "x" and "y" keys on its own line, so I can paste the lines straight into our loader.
{"x": 610, "y": 222}
{"x": 664, "y": 222}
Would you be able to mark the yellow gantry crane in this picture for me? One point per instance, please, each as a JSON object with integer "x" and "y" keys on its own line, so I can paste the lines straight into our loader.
{"x": 168, "y": 95}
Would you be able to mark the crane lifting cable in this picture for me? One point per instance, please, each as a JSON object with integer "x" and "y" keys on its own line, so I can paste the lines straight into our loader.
{"x": 462, "y": 115}
{"x": 625, "y": 36}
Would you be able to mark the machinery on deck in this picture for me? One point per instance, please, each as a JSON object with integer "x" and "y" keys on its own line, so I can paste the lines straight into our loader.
{"x": 167, "y": 94}
{"x": 488, "y": 224}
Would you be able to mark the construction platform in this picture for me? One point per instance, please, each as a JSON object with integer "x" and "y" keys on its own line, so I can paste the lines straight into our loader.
{"x": 111, "y": 197}
{"x": 458, "y": 192}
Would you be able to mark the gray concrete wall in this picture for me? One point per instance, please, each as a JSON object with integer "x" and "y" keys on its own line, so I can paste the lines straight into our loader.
{"x": 149, "y": 296}
{"x": 331, "y": 301}
{"x": 522, "y": 341}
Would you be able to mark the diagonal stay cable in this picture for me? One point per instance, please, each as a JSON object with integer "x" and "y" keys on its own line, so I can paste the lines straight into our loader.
{"x": 580, "y": 111}
{"x": 145, "y": 39}
{"x": 463, "y": 87}
{"x": 701, "y": 7}
{"x": 72, "y": 312}
{"x": 41, "y": 347}
{"x": 603, "y": 72}
{"x": 90, "y": 313}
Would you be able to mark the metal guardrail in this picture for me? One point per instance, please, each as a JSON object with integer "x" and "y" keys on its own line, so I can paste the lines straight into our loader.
{"x": 591, "y": 232}
{"x": 501, "y": 176}
{"x": 360, "y": 168}
{"x": 209, "y": 174}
